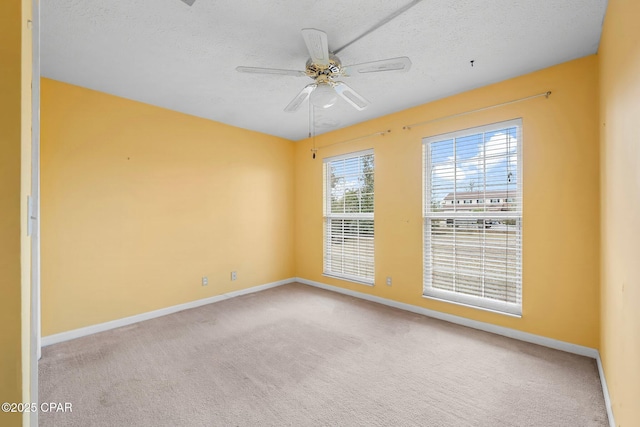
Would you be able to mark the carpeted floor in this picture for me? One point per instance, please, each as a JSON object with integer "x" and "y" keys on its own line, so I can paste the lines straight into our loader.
{"x": 300, "y": 356}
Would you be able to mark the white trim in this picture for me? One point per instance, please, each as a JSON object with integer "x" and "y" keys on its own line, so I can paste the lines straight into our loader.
{"x": 487, "y": 327}
{"x": 348, "y": 155}
{"x": 475, "y": 307}
{"x": 491, "y": 127}
{"x": 35, "y": 350}
{"x": 101, "y": 327}
{"x": 479, "y": 303}
{"x": 605, "y": 392}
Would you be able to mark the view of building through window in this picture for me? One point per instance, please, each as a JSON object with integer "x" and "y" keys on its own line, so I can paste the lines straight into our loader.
{"x": 473, "y": 216}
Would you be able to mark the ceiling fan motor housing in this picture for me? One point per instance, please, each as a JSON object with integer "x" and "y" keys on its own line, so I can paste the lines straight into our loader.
{"x": 324, "y": 73}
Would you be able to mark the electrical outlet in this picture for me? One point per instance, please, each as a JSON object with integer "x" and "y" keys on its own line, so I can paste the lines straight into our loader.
{"x": 388, "y": 280}
{"x": 234, "y": 275}
{"x": 205, "y": 280}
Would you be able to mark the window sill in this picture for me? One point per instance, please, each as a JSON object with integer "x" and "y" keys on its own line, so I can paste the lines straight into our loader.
{"x": 462, "y": 304}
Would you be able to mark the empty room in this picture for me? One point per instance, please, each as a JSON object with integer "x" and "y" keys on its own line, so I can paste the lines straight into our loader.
{"x": 243, "y": 213}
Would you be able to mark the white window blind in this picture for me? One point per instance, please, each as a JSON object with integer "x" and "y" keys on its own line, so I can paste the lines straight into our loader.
{"x": 472, "y": 210}
{"x": 348, "y": 217}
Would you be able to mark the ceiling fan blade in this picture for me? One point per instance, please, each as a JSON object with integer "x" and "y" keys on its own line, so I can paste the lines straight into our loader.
{"x": 189, "y": 2}
{"x": 351, "y": 96}
{"x": 392, "y": 64}
{"x": 300, "y": 98}
{"x": 317, "y": 44}
{"x": 258, "y": 70}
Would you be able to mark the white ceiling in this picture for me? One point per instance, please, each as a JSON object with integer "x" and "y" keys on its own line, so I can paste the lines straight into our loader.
{"x": 165, "y": 53}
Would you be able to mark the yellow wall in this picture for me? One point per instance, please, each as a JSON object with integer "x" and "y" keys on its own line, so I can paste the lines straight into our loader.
{"x": 139, "y": 202}
{"x": 15, "y": 158}
{"x": 561, "y": 197}
{"x": 619, "y": 56}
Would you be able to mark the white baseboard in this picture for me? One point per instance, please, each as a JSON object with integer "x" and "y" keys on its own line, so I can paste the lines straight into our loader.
{"x": 487, "y": 327}
{"x": 88, "y": 330}
{"x": 605, "y": 392}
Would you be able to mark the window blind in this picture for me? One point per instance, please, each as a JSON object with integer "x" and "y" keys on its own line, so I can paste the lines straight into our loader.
{"x": 348, "y": 217}
{"x": 473, "y": 217}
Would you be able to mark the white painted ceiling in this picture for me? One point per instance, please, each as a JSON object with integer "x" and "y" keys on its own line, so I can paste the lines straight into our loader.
{"x": 165, "y": 53}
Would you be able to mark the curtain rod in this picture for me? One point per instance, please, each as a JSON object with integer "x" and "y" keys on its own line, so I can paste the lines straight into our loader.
{"x": 384, "y": 132}
{"x": 545, "y": 94}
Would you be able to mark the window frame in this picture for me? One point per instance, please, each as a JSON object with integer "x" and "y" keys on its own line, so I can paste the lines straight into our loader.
{"x": 482, "y": 303}
{"x": 328, "y": 216}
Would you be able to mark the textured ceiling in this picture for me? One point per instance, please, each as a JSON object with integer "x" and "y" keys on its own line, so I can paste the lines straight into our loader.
{"x": 168, "y": 54}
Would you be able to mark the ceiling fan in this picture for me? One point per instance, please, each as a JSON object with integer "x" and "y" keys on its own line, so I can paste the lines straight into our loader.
{"x": 324, "y": 67}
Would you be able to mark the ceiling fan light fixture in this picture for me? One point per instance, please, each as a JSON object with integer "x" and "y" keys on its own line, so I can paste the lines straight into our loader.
{"x": 323, "y": 96}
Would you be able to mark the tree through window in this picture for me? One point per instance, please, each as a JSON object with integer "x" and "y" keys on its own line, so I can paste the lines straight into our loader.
{"x": 348, "y": 216}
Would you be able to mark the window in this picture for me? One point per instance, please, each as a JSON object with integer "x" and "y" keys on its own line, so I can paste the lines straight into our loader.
{"x": 348, "y": 217}
{"x": 473, "y": 254}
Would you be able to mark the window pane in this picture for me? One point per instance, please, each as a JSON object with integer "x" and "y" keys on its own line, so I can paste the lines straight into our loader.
{"x": 349, "y": 248}
{"x": 349, "y": 227}
{"x": 442, "y": 175}
{"x": 351, "y": 185}
{"x": 470, "y": 254}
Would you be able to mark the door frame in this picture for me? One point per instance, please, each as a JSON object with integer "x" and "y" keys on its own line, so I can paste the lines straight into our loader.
{"x": 34, "y": 214}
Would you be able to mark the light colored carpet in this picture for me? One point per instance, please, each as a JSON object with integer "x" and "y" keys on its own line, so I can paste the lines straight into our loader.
{"x": 300, "y": 356}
